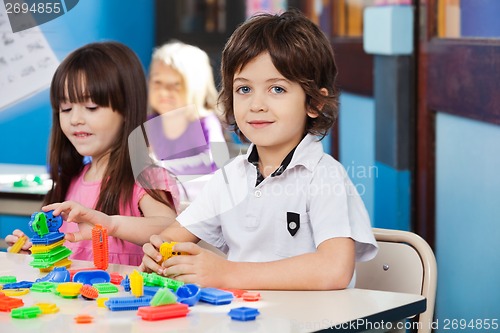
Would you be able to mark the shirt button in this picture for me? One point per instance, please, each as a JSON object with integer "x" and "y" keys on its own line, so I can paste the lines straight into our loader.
{"x": 258, "y": 194}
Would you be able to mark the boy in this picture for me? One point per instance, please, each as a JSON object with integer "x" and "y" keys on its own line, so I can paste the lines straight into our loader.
{"x": 286, "y": 214}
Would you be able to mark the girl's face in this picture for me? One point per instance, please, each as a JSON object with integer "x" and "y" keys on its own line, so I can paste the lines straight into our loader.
{"x": 166, "y": 88}
{"x": 90, "y": 128}
{"x": 269, "y": 109}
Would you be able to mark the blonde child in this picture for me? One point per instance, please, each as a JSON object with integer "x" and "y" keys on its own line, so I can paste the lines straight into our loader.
{"x": 287, "y": 215}
{"x": 184, "y": 131}
{"x": 98, "y": 96}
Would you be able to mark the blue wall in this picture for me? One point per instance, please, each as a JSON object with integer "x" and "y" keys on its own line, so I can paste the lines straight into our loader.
{"x": 357, "y": 145}
{"x": 28, "y": 122}
{"x": 467, "y": 219}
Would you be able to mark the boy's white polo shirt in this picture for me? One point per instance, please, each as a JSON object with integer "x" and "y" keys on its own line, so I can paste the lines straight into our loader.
{"x": 249, "y": 222}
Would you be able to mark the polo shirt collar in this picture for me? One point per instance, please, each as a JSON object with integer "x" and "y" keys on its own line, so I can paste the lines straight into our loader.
{"x": 307, "y": 153}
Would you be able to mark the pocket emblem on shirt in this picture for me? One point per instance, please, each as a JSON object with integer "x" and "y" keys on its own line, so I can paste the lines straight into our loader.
{"x": 292, "y": 222}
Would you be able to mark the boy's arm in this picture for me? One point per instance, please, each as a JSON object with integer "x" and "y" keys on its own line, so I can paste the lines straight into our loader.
{"x": 330, "y": 267}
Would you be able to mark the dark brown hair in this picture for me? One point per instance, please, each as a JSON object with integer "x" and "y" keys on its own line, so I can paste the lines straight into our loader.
{"x": 300, "y": 52}
{"x": 111, "y": 75}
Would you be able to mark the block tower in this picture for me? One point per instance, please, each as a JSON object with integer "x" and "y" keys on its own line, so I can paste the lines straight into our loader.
{"x": 48, "y": 250}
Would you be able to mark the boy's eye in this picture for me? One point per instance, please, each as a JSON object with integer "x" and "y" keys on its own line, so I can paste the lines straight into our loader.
{"x": 278, "y": 90}
{"x": 243, "y": 90}
{"x": 92, "y": 107}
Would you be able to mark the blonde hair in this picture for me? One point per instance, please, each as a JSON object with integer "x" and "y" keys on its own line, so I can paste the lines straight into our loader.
{"x": 193, "y": 65}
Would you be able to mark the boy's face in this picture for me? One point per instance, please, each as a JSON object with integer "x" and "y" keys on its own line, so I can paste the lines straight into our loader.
{"x": 269, "y": 109}
{"x": 166, "y": 88}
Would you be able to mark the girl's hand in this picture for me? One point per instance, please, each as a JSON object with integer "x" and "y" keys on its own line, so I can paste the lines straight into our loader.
{"x": 86, "y": 217}
{"x": 202, "y": 267}
{"x": 12, "y": 239}
{"x": 152, "y": 255}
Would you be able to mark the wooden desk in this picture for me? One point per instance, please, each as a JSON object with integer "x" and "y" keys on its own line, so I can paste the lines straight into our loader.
{"x": 21, "y": 201}
{"x": 280, "y": 311}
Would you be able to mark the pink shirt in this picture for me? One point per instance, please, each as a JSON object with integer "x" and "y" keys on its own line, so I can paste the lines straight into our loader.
{"x": 120, "y": 251}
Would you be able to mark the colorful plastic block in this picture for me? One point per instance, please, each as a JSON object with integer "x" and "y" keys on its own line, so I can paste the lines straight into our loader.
{"x": 47, "y": 239}
{"x": 216, "y": 296}
{"x": 69, "y": 289}
{"x": 101, "y": 301}
{"x": 61, "y": 263}
{"x": 166, "y": 251}
{"x": 48, "y": 308}
{"x": 105, "y": 288}
{"x": 89, "y": 292}
{"x": 84, "y": 319}
{"x": 8, "y": 303}
{"x": 35, "y": 249}
{"x": 153, "y": 279}
{"x": 125, "y": 283}
{"x": 58, "y": 274}
{"x": 163, "y": 311}
{"x": 163, "y": 296}
{"x": 17, "y": 285}
{"x": 243, "y": 313}
{"x": 44, "y": 287}
{"x": 127, "y": 303}
{"x": 189, "y": 294}
{"x": 45, "y": 260}
{"x": 26, "y": 312}
{"x": 100, "y": 246}
{"x": 38, "y": 224}
{"x": 92, "y": 277}
{"x": 151, "y": 290}
{"x": 236, "y": 292}
{"x": 16, "y": 292}
{"x": 115, "y": 278}
{"x": 136, "y": 283}
{"x": 7, "y": 279}
{"x": 251, "y": 296}
{"x": 18, "y": 244}
{"x": 72, "y": 272}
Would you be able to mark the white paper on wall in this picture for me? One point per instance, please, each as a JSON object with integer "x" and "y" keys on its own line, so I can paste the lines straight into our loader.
{"x": 27, "y": 62}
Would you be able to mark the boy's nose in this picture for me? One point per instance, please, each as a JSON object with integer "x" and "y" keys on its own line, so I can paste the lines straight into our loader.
{"x": 258, "y": 104}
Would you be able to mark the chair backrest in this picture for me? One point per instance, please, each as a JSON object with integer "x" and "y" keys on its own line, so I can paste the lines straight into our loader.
{"x": 405, "y": 263}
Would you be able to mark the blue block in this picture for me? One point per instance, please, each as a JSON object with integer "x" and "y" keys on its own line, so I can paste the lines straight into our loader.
{"x": 388, "y": 30}
{"x": 188, "y": 294}
{"x": 243, "y": 313}
{"x": 127, "y": 303}
{"x": 216, "y": 296}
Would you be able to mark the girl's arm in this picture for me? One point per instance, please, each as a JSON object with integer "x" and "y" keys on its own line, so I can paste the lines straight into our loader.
{"x": 137, "y": 230}
{"x": 330, "y": 267}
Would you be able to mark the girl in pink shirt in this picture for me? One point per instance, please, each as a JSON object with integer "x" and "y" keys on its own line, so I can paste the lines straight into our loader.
{"x": 98, "y": 96}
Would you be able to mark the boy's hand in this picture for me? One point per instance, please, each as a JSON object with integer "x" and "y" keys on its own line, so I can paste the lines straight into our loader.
{"x": 202, "y": 267}
{"x": 152, "y": 255}
{"x": 86, "y": 217}
{"x": 12, "y": 239}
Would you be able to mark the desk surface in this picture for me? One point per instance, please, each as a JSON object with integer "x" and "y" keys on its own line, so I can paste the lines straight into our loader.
{"x": 280, "y": 311}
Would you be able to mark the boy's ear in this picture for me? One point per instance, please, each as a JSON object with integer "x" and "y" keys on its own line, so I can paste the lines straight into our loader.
{"x": 312, "y": 113}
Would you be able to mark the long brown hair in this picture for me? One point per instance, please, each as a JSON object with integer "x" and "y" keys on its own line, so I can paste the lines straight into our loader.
{"x": 300, "y": 52}
{"x": 111, "y": 75}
